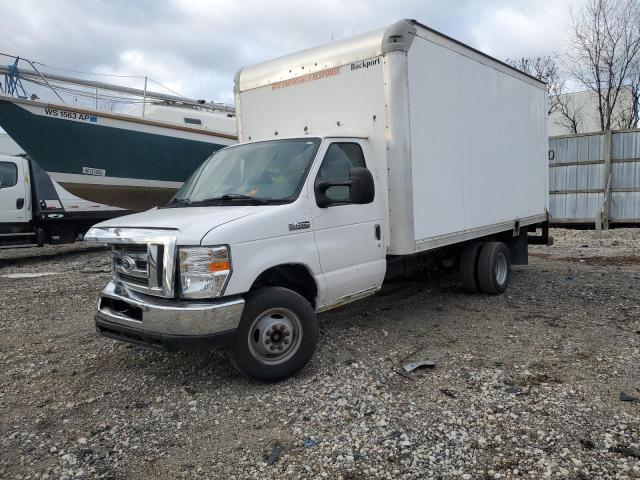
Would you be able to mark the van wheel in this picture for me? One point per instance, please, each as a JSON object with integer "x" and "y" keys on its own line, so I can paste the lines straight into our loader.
{"x": 494, "y": 268}
{"x": 469, "y": 267}
{"x": 277, "y": 334}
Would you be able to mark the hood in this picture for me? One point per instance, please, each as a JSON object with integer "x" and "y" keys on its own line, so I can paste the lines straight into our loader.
{"x": 193, "y": 223}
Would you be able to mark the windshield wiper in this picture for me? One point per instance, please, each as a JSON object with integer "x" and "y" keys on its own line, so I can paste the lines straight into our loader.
{"x": 181, "y": 201}
{"x": 234, "y": 196}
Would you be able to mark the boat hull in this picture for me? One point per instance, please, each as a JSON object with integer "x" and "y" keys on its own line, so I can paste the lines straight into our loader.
{"x": 112, "y": 159}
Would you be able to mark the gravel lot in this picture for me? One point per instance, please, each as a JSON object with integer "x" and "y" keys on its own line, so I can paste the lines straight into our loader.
{"x": 526, "y": 385}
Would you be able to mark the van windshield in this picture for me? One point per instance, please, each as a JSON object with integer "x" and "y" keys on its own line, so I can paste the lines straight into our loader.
{"x": 268, "y": 172}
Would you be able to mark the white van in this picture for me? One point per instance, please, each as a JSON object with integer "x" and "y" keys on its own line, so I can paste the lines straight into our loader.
{"x": 357, "y": 160}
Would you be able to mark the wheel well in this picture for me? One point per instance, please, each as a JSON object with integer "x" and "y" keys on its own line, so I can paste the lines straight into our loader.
{"x": 292, "y": 276}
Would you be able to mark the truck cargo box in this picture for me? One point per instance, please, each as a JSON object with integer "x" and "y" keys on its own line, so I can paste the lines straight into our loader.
{"x": 458, "y": 139}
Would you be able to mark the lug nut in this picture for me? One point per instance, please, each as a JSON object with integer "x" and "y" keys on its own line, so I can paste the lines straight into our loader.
{"x": 286, "y": 342}
{"x": 287, "y": 333}
{"x": 272, "y": 347}
{"x": 267, "y": 341}
{"x": 279, "y": 347}
{"x": 269, "y": 332}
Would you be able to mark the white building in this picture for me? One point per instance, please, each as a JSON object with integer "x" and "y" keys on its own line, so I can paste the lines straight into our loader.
{"x": 583, "y": 106}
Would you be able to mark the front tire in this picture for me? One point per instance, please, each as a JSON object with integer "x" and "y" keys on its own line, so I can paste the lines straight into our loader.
{"x": 494, "y": 268}
{"x": 277, "y": 335}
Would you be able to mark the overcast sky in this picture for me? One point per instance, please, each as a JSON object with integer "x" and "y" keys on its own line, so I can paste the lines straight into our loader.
{"x": 196, "y": 46}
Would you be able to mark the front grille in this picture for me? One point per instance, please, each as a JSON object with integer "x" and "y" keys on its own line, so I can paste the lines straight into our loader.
{"x": 133, "y": 248}
{"x": 131, "y": 263}
{"x": 139, "y": 264}
{"x": 135, "y": 280}
{"x": 140, "y": 267}
{"x": 144, "y": 259}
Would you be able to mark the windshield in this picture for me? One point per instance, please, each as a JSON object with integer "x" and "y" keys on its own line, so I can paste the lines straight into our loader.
{"x": 262, "y": 172}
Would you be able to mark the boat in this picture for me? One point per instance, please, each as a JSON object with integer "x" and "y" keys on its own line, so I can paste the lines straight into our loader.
{"x": 133, "y": 159}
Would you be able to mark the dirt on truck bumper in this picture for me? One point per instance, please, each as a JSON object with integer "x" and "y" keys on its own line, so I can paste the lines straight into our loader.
{"x": 168, "y": 324}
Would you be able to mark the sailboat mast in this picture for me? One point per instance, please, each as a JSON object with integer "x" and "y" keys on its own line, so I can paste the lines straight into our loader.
{"x": 28, "y": 74}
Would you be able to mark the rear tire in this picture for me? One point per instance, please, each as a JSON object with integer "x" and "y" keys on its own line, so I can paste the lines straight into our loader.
{"x": 494, "y": 268}
{"x": 277, "y": 335}
{"x": 469, "y": 267}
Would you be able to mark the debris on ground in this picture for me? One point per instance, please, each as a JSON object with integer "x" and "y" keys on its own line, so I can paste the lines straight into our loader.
{"x": 448, "y": 393}
{"x": 587, "y": 443}
{"x": 628, "y": 398}
{"x": 410, "y": 367}
{"x": 274, "y": 455}
{"x": 393, "y": 435}
{"x": 627, "y": 451}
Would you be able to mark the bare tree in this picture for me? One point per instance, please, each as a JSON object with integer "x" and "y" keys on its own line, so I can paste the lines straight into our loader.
{"x": 630, "y": 116}
{"x": 570, "y": 113}
{"x": 604, "y": 48}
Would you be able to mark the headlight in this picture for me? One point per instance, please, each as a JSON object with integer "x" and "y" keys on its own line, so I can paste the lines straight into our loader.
{"x": 204, "y": 271}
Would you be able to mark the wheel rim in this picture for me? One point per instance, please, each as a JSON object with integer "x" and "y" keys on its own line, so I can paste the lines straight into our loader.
{"x": 501, "y": 268}
{"x": 275, "y": 336}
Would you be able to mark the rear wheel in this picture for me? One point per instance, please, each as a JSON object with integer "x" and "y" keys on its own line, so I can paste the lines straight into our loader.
{"x": 277, "y": 334}
{"x": 494, "y": 268}
{"x": 469, "y": 267}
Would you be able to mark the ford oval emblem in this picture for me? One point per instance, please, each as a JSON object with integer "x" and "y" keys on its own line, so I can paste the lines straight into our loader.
{"x": 127, "y": 264}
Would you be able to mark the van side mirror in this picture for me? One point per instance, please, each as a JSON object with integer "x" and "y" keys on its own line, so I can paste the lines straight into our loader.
{"x": 361, "y": 188}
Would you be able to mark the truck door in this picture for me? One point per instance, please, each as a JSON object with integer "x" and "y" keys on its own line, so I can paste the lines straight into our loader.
{"x": 348, "y": 236}
{"x": 14, "y": 200}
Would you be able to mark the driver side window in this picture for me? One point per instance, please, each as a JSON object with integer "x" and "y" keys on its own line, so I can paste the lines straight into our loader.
{"x": 8, "y": 174}
{"x": 339, "y": 159}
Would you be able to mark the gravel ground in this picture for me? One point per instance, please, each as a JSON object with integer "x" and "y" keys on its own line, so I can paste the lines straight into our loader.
{"x": 526, "y": 385}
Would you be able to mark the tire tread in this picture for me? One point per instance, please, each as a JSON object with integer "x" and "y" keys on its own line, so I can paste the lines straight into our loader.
{"x": 469, "y": 267}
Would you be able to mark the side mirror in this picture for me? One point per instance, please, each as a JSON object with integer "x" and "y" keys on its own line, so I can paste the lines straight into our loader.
{"x": 361, "y": 188}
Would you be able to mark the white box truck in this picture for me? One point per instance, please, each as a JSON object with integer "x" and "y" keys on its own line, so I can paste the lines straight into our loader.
{"x": 358, "y": 159}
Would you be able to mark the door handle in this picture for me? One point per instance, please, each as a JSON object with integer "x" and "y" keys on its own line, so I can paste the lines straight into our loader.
{"x": 20, "y": 203}
{"x": 377, "y": 232}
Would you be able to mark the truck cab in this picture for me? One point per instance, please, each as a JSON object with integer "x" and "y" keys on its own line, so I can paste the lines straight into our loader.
{"x": 257, "y": 236}
{"x": 15, "y": 195}
{"x": 35, "y": 210}
{"x": 15, "y": 190}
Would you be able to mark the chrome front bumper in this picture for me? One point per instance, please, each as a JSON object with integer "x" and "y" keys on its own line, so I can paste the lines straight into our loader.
{"x": 122, "y": 311}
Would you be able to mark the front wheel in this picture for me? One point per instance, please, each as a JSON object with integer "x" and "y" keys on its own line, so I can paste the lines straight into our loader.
{"x": 277, "y": 334}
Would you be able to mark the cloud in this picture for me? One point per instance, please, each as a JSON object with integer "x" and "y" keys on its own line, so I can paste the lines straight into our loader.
{"x": 196, "y": 46}
{"x": 517, "y": 29}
